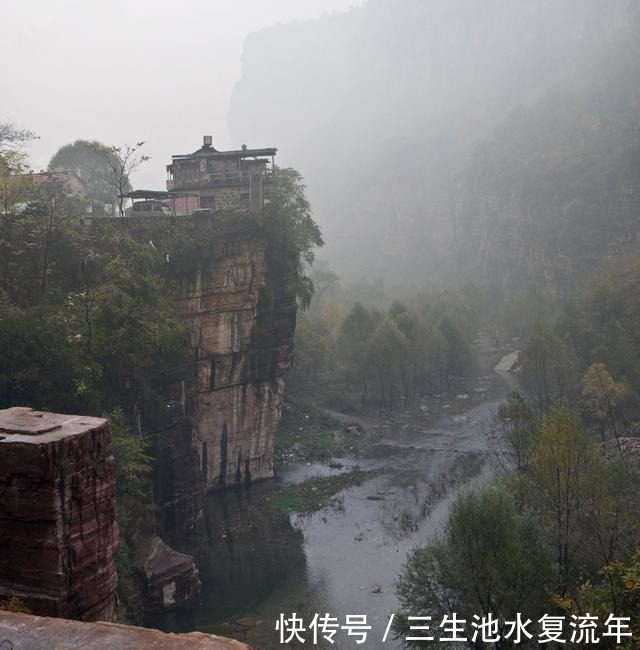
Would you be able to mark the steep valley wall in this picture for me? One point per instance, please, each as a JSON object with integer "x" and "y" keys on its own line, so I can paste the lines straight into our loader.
{"x": 215, "y": 425}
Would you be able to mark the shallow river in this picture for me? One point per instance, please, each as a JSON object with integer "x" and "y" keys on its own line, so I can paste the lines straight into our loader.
{"x": 255, "y": 563}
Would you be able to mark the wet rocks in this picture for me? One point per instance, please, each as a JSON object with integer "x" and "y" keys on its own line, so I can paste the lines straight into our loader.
{"x": 58, "y": 529}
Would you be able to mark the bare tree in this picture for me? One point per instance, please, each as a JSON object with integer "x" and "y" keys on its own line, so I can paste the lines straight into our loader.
{"x": 122, "y": 162}
{"x": 13, "y": 161}
{"x": 12, "y": 137}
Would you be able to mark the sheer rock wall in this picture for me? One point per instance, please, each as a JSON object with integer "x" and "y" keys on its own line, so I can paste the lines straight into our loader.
{"x": 222, "y": 408}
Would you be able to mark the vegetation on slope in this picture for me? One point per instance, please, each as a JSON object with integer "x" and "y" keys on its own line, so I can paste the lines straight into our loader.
{"x": 558, "y": 534}
{"x": 551, "y": 192}
{"x": 88, "y": 319}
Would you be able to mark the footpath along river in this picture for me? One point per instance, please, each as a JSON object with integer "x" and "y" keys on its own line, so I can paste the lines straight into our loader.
{"x": 256, "y": 563}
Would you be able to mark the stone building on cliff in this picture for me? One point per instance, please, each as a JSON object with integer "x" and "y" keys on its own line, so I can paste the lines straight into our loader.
{"x": 222, "y": 410}
{"x": 211, "y": 180}
{"x": 222, "y": 180}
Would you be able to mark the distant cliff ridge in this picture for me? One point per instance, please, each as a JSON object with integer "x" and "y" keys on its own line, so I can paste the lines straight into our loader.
{"x": 555, "y": 190}
{"x": 215, "y": 427}
{"x": 381, "y": 106}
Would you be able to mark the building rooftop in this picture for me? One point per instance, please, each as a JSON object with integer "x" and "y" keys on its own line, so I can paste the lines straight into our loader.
{"x": 207, "y": 150}
{"x": 24, "y": 425}
{"x": 238, "y": 153}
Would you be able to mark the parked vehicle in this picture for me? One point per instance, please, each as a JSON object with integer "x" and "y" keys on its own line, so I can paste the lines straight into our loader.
{"x": 148, "y": 208}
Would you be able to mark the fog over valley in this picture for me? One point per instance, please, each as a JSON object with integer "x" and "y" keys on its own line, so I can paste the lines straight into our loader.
{"x": 320, "y": 324}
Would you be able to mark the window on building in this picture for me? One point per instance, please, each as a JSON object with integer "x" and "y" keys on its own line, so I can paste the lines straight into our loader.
{"x": 190, "y": 171}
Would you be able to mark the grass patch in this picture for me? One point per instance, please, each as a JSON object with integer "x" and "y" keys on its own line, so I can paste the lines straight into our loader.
{"x": 317, "y": 492}
{"x": 15, "y": 605}
{"x": 310, "y": 432}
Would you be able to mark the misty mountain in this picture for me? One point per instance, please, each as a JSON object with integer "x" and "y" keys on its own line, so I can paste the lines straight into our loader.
{"x": 381, "y": 107}
{"x": 555, "y": 189}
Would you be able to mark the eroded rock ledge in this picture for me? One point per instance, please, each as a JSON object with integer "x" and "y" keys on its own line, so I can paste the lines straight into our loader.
{"x": 24, "y": 632}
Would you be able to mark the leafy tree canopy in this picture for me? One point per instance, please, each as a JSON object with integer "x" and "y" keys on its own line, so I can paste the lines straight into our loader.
{"x": 90, "y": 161}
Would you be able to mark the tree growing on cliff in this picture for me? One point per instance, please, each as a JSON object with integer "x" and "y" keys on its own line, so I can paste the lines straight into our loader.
{"x": 49, "y": 221}
{"x": 104, "y": 326}
{"x": 37, "y": 360}
{"x": 294, "y": 233}
{"x": 132, "y": 483}
{"x": 126, "y": 322}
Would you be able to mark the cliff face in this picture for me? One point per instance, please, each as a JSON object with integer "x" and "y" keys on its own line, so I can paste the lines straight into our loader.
{"x": 556, "y": 189}
{"x": 223, "y": 407}
{"x": 377, "y": 162}
{"x": 58, "y": 529}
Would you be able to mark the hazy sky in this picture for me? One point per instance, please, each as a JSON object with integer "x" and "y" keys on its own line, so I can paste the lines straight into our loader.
{"x": 121, "y": 71}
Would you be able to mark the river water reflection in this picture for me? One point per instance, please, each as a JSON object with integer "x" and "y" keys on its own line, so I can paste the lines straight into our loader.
{"x": 256, "y": 563}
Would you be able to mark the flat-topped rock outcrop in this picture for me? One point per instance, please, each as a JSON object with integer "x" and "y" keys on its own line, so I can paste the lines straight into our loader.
{"x": 58, "y": 530}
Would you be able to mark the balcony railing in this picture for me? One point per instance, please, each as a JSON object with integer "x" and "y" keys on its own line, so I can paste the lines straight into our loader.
{"x": 213, "y": 180}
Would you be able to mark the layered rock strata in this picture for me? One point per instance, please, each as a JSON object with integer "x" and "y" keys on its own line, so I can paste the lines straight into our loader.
{"x": 215, "y": 428}
{"x": 58, "y": 529}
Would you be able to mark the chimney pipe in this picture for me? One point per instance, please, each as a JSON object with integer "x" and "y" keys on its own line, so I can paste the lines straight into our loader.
{"x": 207, "y": 141}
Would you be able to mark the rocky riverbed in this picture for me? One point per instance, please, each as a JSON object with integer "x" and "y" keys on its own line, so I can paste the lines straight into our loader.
{"x": 258, "y": 562}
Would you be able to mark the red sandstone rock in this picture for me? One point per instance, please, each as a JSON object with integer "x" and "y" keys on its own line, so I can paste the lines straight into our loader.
{"x": 243, "y": 343}
{"x": 170, "y": 578}
{"x": 58, "y": 529}
{"x": 25, "y": 632}
{"x": 221, "y": 411}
